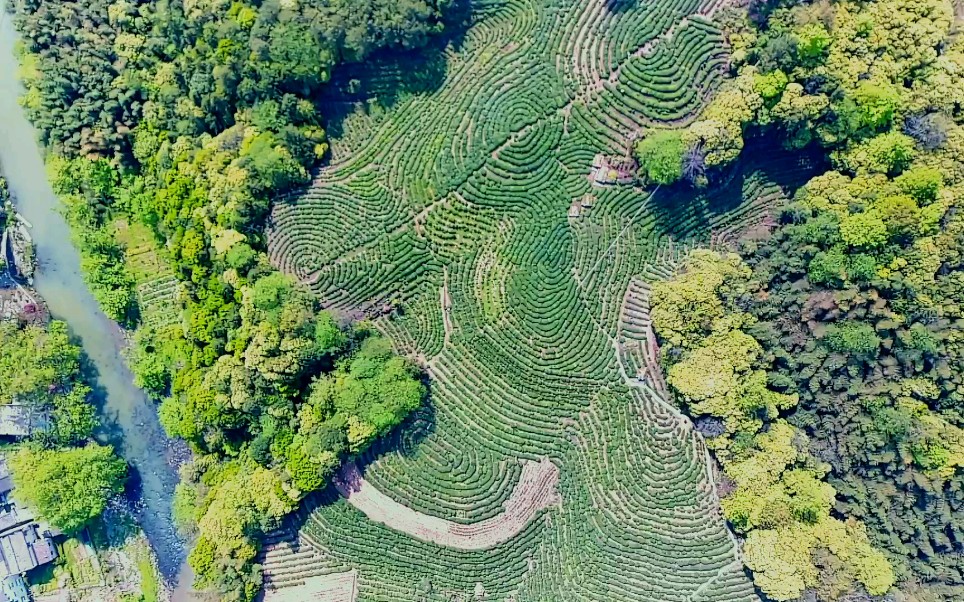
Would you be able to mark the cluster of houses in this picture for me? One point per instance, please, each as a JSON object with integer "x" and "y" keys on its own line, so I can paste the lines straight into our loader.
{"x": 581, "y": 206}
{"x": 24, "y": 544}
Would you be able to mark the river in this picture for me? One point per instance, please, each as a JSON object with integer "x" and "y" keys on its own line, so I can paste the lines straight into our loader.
{"x": 129, "y": 418}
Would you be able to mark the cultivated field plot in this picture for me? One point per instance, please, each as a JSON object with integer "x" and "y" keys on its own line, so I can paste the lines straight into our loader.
{"x": 158, "y": 292}
{"x": 468, "y": 200}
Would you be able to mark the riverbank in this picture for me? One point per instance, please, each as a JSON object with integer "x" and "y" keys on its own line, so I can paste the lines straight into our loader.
{"x": 129, "y": 417}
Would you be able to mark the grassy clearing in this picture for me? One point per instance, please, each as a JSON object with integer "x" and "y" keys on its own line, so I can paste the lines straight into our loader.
{"x": 81, "y": 562}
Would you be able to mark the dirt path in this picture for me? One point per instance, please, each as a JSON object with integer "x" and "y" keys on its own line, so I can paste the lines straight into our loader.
{"x": 535, "y": 491}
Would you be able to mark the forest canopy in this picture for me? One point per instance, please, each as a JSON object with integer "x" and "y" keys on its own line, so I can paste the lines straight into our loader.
{"x": 267, "y": 437}
{"x": 873, "y": 83}
{"x": 835, "y": 405}
{"x": 68, "y": 487}
{"x": 822, "y": 362}
{"x": 777, "y": 496}
{"x": 190, "y": 118}
{"x": 41, "y": 367}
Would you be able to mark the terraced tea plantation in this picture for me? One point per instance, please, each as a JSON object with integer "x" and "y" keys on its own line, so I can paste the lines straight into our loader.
{"x": 549, "y": 465}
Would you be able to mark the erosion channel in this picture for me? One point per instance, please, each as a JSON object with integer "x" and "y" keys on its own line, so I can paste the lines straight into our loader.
{"x": 129, "y": 417}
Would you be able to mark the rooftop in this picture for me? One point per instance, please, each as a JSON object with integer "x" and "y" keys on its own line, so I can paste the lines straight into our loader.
{"x": 23, "y": 549}
{"x": 20, "y": 420}
{"x": 14, "y": 589}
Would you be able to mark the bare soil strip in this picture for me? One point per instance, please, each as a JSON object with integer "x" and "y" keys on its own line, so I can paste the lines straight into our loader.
{"x": 535, "y": 491}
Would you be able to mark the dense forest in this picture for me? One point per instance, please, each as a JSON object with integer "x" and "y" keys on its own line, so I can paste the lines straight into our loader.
{"x": 834, "y": 341}
{"x": 189, "y": 118}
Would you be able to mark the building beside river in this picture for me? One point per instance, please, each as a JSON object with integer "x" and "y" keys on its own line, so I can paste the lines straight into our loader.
{"x": 25, "y": 548}
{"x": 24, "y": 543}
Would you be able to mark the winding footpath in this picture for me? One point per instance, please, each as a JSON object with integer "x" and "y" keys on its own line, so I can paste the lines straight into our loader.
{"x": 536, "y": 490}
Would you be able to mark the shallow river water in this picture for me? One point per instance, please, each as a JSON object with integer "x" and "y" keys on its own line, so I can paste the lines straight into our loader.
{"x": 129, "y": 417}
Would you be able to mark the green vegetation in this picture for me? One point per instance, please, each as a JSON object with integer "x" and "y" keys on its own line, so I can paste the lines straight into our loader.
{"x": 717, "y": 370}
{"x": 87, "y": 188}
{"x": 59, "y": 473}
{"x": 241, "y": 488}
{"x": 34, "y": 359}
{"x": 110, "y": 557}
{"x": 40, "y": 367}
{"x": 189, "y": 120}
{"x": 873, "y": 84}
{"x": 159, "y": 295}
{"x": 454, "y": 230}
{"x": 779, "y": 500}
{"x": 199, "y": 119}
{"x": 661, "y": 156}
{"x": 80, "y": 563}
{"x": 456, "y": 213}
{"x": 150, "y": 588}
{"x": 852, "y": 305}
{"x": 182, "y": 70}
{"x": 866, "y": 340}
{"x": 67, "y": 487}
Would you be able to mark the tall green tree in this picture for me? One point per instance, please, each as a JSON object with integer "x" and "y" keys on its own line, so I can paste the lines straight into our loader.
{"x": 68, "y": 487}
{"x": 36, "y": 362}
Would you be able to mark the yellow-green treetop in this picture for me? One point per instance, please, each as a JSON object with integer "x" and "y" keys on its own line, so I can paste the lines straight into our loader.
{"x": 780, "y": 500}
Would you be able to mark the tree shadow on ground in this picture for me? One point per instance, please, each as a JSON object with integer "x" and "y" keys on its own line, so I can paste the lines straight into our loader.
{"x": 405, "y": 439}
{"x": 108, "y": 430}
{"x": 390, "y": 75}
{"x": 147, "y": 504}
{"x": 683, "y": 212}
{"x": 620, "y": 6}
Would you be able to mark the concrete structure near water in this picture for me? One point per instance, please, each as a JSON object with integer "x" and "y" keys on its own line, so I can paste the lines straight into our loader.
{"x": 25, "y": 548}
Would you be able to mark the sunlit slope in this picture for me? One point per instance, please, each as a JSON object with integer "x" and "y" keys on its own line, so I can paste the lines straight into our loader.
{"x": 461, "y": 194}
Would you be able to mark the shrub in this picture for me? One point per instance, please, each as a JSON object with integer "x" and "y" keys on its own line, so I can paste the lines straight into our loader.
{"x": 828, "y": 267}
{"x": 661, "y": 156}
{"x": 853, "y": 337}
